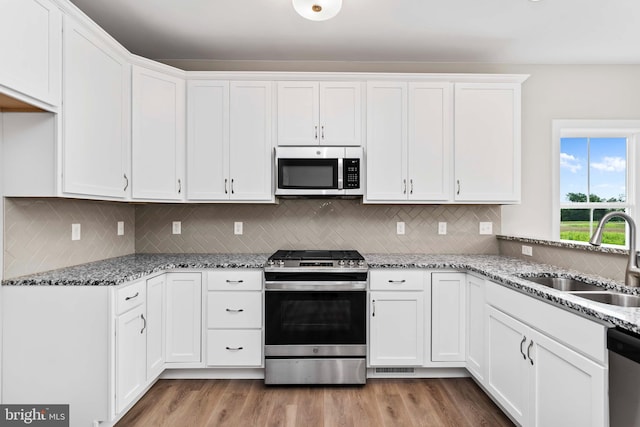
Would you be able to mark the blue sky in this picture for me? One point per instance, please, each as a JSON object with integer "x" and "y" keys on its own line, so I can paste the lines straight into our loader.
{"x": 606, "y": 168}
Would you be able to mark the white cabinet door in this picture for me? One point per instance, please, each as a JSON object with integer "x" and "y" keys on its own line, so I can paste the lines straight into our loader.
{"x": 396, "y": 328}
{"x": 155, "y": 326}
{"x": 31, "y": 48}
{"x": 567, "y": 388}
{"x": 507, "y": 375}
{"x": 207, "y": 140}
{"x": 386, "y": 150}
{"x": 475, "y": 327}
{"x": 250, "y": 146}
{"x": 340, "y": 113}
{"x": 448, "y": 317}
{"x": 298, "y": 113}
{"x": 183, "y": 317}
{"x": 130, "y": 356}
{"x": 158, "y": 133}
{"x": 487, "y": 142}
{"x": 429, "y": 153}
{"x": 96, "y": 115}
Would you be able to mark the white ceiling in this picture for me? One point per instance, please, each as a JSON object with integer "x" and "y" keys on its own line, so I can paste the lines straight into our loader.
{"x": 497, "y": 31}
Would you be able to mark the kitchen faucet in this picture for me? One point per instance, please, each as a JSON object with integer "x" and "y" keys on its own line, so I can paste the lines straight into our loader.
{"x": 632, "y": 273}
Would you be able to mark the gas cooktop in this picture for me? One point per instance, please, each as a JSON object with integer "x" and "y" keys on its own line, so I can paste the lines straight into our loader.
{"x": 316, "y": 258}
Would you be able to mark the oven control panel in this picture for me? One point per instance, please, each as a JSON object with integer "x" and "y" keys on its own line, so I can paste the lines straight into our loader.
{"x": 351, "y": 173}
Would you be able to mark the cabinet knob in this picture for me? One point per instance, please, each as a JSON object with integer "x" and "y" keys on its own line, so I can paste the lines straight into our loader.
{"x": 404, "y": 186}
{"x": 316, "y": 132}
{"x": 529, "y": 352}
{"x": 458, "y": 190}
{"x": 226, "y": 181}
{"x": 524, "y": 339}
{"x": 126, "y": 183}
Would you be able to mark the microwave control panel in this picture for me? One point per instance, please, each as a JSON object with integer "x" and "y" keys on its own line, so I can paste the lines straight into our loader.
{"x": 351, "y": 173}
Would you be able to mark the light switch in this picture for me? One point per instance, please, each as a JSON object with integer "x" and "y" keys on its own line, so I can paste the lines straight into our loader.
{"x": 75, "y": 231}
{"x": 176, "y": 227}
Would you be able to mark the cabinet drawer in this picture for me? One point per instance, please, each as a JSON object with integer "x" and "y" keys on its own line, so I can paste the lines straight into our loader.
{"x": 397, "y": 280}
{"x": 227, "y": 310}
{"x": 234, "y": 347}
{"x": 235, "y": 280}
{"x": 130, "y": 296}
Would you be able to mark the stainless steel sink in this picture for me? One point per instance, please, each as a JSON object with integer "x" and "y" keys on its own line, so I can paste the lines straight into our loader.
{"x": 612, "y": 298}
{"x": 564, "y": 284}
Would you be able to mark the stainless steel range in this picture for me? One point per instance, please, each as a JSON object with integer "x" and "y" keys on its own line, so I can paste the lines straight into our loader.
{"x": 315, "y": 317}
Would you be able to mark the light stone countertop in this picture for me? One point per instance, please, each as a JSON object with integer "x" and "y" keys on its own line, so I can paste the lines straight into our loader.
{"x": 505, "y": 270}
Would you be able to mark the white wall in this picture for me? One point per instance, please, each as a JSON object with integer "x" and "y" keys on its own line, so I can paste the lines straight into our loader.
{"x": 552, "y": 92}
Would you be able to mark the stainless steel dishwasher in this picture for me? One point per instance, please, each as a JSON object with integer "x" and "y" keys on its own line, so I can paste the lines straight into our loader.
{"x": 624, "y": 378}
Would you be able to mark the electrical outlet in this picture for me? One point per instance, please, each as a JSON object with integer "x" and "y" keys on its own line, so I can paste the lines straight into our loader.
{"x": 442, "y": 228}
{"x": 400, "y": 227}
{"x": 75, "y": 231}
{"x": 486, "y": 227}
{"x": 176, "y": 227}
{"x": 120, "y": 228}
{"x": 527, "y": 250}
{"x": 237, "y": 227}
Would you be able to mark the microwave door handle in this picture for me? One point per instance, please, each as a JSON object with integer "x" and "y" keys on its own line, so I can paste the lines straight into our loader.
{"x": 340, "y": 174}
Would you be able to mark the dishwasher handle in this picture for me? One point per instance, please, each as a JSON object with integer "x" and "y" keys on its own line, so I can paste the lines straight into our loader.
{"x": 625, "y": 343}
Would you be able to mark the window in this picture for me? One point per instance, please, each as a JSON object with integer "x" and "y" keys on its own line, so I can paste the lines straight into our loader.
{"x": 595, "y": 169}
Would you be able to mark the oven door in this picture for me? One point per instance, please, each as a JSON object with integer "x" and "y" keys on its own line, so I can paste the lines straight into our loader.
{"x": 315, "y": 323}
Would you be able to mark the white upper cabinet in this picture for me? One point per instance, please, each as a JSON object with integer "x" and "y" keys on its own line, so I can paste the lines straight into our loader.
{"x": 408, "y": 141}
{"x": 319, "y": 113}
{"x": 229, "y": 141}
{"x": 31, "y": 50}
{"x": 96, "y": 115}
{"x": 207, "y": 140}
{"x": 158, "y": 134}
{"x": 487, "y": 142}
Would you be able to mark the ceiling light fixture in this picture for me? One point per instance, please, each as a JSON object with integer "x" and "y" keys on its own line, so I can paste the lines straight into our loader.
{"x": 317, "y": 10}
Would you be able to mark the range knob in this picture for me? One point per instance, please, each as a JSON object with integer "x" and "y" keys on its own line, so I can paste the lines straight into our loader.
{"x": 351, "y": 263}
{"x": 341, "y": 263}
{"x": 271, "y": 263}
{"x": 281, "y": 263}
{"x": 361, "y": 263}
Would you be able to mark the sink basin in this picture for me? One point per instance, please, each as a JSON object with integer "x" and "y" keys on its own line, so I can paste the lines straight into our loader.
{"x": 564, "y": 284}
{"x": 612, "y": 298}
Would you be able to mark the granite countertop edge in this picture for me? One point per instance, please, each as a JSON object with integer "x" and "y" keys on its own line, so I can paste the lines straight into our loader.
{"x": 511, "y": 272}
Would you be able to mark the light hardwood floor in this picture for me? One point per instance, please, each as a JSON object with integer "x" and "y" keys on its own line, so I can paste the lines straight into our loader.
{"x": 382, "y": 402}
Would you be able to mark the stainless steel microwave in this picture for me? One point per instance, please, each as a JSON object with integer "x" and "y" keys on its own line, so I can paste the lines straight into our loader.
{"x": 319, "y": 171}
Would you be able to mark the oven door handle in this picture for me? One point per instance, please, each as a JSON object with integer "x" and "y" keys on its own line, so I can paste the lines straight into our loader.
{"x": 315, "y": 286}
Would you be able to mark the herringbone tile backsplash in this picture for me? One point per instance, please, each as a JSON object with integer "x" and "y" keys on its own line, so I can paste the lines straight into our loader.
{"x": 315, "y": 224}
{"x": 37, "y": 233}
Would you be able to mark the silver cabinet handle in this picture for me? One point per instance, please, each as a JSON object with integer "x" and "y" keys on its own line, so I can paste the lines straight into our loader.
{"x": 316, "y": 131}
{"x": 232, "y": 191}
{"x": 144, "y": 324}
{"x": 397, "y": 281}
{"x": 524, "y": 339}
{"x": 411, "y": 184}
{"x": 226, "y": 181}
{"x": 373, "y": 308}
{"x": 529, "y": 352}
{"x": 233, "y": 310}
{"x": 132, "y": 297}
{"x": 235, "y": 281}
{"x": 322, "y": 129}
{"x": 179, "y": 186}
{"x": 234, "y": 348}
{"x": 458, "y": 191}
{"x": 126, "y": 184}
{"x": 404, "y": 186}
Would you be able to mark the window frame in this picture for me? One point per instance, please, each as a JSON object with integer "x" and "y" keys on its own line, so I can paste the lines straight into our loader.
{"x": 629, "y": 129}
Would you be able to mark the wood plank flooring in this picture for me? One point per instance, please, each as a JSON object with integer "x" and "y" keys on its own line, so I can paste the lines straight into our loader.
{"x": 451, "y": 402}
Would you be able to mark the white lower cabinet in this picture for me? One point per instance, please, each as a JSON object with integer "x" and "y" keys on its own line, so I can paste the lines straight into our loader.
{"x": 448, "y": 314}
{"x": 155, "y": 326}
{"x": 396, "y": 322}
{"x": 183, "y": 317}
{"x": 475, "y": 326}
{"x": 131, "y": 346}
{"x": 539, "y": 380}
{"x": 234, "y": 318}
